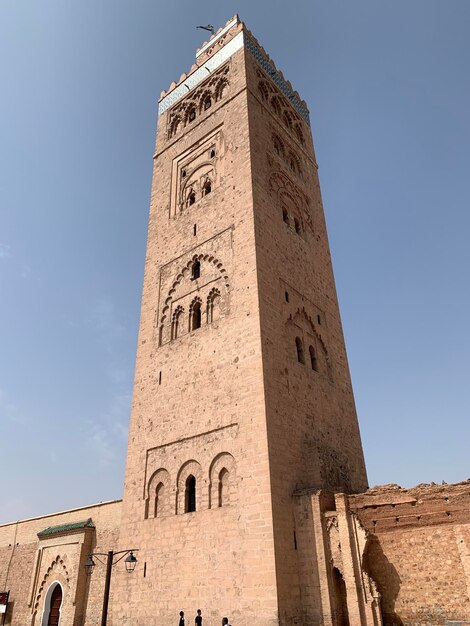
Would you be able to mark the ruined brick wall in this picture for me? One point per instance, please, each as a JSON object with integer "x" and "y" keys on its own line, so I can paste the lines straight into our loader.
{"x": 28, "y": 565}
{"x": 418, "y": 551}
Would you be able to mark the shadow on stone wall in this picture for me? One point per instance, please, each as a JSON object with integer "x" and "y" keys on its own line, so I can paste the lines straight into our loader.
{"x": 386, "y": 577}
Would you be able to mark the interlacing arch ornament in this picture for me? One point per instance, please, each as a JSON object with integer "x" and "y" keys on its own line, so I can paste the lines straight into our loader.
{"x": 276, "y": 106}
{"x": 56, "y": 571}
{"x": 287, "y": 118}
{"x": 174, "y": 126}
{"x": 281, "y": 108}
{"x": 221, "y": 89}
{"x": 200, "y": 101}
{"x": 263, "y": 90}
{"x": 278, "y": 146}
{"x": 205, "y": 101}
{"x": 282, "y": 187}
{"x": 294, "y": 163}
{"x": 184, "y": 273}
{"x": 288, "y": 157}
{"x": 299, "y": 133}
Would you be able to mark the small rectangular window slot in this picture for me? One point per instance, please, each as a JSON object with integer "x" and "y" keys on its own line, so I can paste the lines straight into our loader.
{"x": 195, "y": 229}
{"x": 319, "y": 319}
{"x": 286, "y": 295}
{"x": 145, "y": 569}
{"x": 160, "y": 378}
{"x": 295, "y": 541}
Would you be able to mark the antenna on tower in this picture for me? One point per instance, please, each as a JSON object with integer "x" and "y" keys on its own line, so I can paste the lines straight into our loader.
{"x": 209, "y": 27}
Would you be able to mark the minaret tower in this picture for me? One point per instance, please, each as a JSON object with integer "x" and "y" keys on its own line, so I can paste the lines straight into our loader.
{"x": 242, "y": 391}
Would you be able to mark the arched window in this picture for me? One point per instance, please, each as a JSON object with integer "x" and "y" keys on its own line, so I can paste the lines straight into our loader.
{"x": 294, "y": 163}
{"x": 263, "y": 90}
{"x": 174, "y": 126}
{"x": 223, "y": 487}
{"x": 196, "y": 270}
{"x": 159, "y": 499}
{"x": 213, "y": 306}
{"x": 207, "y": 187}
{"x": 287, "y": 118}
{"x": 285, "y": 216}
{"x": 196, "y": 315}
{"x": 191, "y": 115}
{"x": 300, "y": 350}
{"x": 191, "y": 197}
{"x": 313, "y": 359}
{"x": 297, "y": 225}
{"x": 299, "y": 133}
{"x": 212, "y": 153}
{"x": 176, "y": 322}
{"x": 222, "y": 481}
{"x": 278, "y": 146}
{"x": 207, "y": 103}
{"x": 190, "y": 495}
{"x": 276, "y": 106}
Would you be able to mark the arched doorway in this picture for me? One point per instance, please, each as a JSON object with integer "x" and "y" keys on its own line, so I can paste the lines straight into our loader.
{"x": 52, "y": 605}
{"x": 340, "y": 599}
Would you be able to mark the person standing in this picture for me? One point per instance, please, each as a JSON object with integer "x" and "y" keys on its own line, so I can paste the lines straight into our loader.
{"x": 181, "y": 622}
{"x": 198, "y": 618}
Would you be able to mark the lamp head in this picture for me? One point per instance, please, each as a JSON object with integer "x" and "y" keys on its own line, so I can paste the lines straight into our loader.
{"x": 89, "y": 565}
{"x": 130, "y": 562}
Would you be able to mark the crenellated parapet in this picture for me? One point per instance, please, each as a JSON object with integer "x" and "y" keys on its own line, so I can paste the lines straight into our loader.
{"x": 216, "y": 51}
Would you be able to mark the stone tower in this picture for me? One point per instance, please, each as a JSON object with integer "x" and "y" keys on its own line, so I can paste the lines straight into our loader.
{"x": 242, "y": 391}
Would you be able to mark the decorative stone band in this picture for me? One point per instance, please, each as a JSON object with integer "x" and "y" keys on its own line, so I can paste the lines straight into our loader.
{"x": 218, "y": 59}
{"x": 201, "y": 73}
{"x": 276, "y": 78}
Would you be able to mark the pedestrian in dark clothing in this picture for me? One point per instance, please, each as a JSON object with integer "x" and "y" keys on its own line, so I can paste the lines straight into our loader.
{"x": 181, "y": 622}
{"x": 198, "y": 619}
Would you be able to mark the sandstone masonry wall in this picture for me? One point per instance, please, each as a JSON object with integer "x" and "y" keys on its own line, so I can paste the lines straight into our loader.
{"x": 29, "y": 565}
{"x": 313, "y": 433}
{"x": 419, "y": 551}
{"x": 198, "y": 405}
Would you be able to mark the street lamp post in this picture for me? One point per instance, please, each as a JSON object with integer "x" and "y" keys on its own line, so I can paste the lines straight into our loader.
{"x": 130, "y": 563}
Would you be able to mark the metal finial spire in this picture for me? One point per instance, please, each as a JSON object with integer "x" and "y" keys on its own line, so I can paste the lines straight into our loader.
{"x": 209, "y": 27}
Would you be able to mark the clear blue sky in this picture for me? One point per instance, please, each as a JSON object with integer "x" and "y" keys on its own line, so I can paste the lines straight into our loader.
{"x": 388, "y": 89}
